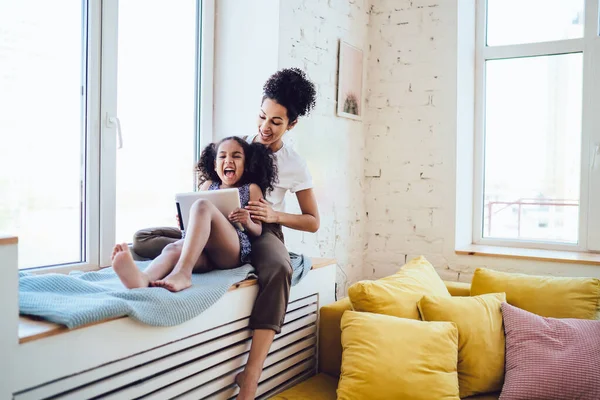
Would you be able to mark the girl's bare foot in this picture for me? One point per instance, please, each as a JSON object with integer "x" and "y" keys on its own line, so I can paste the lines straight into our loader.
{"x": 116, "y": 249}
{"x": 126, "y": 269}
{"x": 248, "y": 386}
{"x": 174, "y": 282}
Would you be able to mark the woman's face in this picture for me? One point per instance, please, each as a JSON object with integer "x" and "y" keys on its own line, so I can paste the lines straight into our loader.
{"x": 229, "y": 163}
{"x": 273, "y": 122}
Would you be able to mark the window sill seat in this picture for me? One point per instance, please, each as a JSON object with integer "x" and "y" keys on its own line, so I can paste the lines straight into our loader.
{"x": 573, "y": 257}
{"x": 125, "y": 359}
{"x": 6, "y": 240}
{"x": 31, "y": 328}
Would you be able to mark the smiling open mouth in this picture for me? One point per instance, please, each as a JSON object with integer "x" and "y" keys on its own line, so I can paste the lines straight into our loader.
{"x": 266, "y": 136}
{"x": 229, "y": 172}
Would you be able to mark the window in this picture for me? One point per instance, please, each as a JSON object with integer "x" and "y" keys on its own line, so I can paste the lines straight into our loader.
{"x": 41, "y": 133}
{"x": 100, "y": 123}
{"x": 537, "y": 180}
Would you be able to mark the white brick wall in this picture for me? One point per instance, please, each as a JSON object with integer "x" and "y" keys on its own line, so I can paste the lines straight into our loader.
{"x": 333, "y": 147}
{"x": 408, "y": 139}
{"x": 411, "y": 138}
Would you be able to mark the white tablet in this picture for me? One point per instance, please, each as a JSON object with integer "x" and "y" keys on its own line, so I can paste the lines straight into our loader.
{"x": 226, "y": 200}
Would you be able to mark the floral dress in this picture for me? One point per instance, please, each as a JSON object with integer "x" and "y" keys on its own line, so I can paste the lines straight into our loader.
{"x": 245, "y": 246}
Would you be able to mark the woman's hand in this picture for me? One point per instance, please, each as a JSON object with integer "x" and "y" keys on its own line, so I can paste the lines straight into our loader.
{"x": 240, "y": 215}
{"x": 262, "y": 211}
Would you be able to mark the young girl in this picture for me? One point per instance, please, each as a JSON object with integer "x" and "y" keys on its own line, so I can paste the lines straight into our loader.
{"x": 211, "y": 241}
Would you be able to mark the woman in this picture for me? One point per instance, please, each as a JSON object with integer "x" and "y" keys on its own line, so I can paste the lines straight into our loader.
{"x": 287, "y": 95}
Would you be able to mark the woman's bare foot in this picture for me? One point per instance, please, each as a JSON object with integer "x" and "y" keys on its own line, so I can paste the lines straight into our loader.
{"x": 126, "y": 269}
{"x": 174, "y": 282}
{"x": 239, "y": 379}
{"x": 248, "y": 386}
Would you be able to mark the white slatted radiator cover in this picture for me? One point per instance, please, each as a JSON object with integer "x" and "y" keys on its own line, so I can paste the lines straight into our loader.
{"x": 199, "y": 366}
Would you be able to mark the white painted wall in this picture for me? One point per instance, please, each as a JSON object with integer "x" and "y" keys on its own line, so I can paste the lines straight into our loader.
{"x": 246, "y": 53}
{"x": 419, "y": 134}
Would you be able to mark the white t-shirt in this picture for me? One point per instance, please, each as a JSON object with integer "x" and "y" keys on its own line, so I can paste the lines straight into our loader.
{"x": 293, "y": 175}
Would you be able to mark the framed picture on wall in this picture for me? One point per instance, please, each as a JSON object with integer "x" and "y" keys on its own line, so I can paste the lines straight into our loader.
{"x": 350, "y": 82}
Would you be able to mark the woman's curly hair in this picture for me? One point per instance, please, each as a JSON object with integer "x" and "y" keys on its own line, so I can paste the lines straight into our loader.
{"x": 259, "y": 166}
{"x": 292, "y": 89}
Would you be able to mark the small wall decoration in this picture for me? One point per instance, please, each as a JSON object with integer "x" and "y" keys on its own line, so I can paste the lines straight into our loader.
{"x": 350, "y": 82}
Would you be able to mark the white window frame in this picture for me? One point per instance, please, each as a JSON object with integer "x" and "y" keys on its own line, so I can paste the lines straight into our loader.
{"x": 90, "y": 190}
{"x": 589, "y": 45}
{"x": 99, "y": 186}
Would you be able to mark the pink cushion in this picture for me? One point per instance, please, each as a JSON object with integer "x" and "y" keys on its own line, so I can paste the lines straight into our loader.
{"x": 549, "y": 358}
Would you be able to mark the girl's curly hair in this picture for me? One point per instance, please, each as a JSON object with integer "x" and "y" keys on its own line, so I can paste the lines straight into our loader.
{"x": 259, "y": 166}
{"x": 292, "y": 89}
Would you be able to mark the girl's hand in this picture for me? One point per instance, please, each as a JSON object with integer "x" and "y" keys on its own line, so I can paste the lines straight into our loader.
{"x": 262, "y": 211}
{"x": 240, "y": 215}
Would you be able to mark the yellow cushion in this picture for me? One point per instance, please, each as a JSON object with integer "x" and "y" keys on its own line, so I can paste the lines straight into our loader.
{"x": 395, "y": 358}
{"x": 458, "y": 288}
{"x": 398, "y": 294}
{"x": 330, "y": 336}
{"x": 319, "y": 387}
{"x": 542, "y": 295}
{"x": 480, "y": 338}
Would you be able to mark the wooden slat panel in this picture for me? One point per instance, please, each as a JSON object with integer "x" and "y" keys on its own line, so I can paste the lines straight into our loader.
{"x": 301, "y": 303}
{"x": 293, "y": 337}
{"x": 200, "y": 371}
{"x": 212, "y": 388}
{"x": 296, "y": 324}
{"x": 153, "y": 368}
{"x": 172, "y": 361}
{"x": 102, "y": 372}
{"x": 307, "y": 366}
{"x": 273, "y": 377}
{"x": 286, "y": 384}
{"x": 235, "y": 366}
{"x": 96, "y": 374}
{"x": 278, "y": 377}
{"x": 299, "y": 313}
{"x": 303, "y": 371}
{"x": 61, "y": 386}
{"x": 307, "y": 332}
{"x": 109, "y": 377}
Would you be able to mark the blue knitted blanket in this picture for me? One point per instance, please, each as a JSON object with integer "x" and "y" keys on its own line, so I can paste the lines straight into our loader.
{"x": 82, "y": 298}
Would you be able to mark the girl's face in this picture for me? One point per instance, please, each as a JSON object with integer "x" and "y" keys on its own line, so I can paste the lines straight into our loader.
{"x": 272, "y": 124}
{"x": 229, "y": 163}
